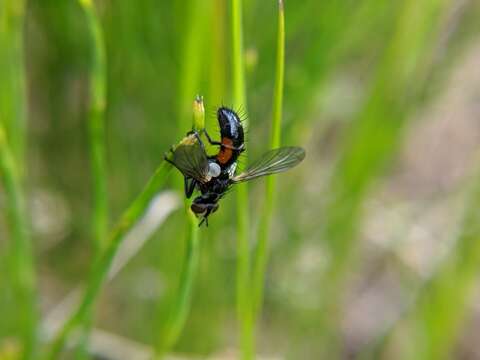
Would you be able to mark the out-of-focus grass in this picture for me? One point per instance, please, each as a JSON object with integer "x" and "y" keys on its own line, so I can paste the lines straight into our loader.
{"x": 243, "y": 229}
{"x": 160, "y": 55}
{"x": 102, "y": 265}
{"x": 96, "y": 125}
{"x": 19, "y": 257}
{"x": 96, "y": 134}
{"x": 369, "y": 144}
{"x": 262, "y": 246}
{"x": 12, "y": 85}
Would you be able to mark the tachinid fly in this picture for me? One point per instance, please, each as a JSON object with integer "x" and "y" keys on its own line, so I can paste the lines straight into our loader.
{"x": 214, "y": 175}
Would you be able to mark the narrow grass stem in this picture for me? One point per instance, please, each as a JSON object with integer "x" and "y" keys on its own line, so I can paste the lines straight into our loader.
{"x": 243, "y": 248}
{"x": 12, "y": 144}
{"x": 12, "y": 73}
{"x": 261, "y": 251}
{"x": 181, "y": 307}
{"x": 21, "y": 256}
{"x": 96, "y": 133}
{"x": 101, "y": 267}
{"x": 96, "y": 125}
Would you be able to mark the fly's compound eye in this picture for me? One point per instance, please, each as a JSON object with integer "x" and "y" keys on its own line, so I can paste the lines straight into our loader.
{"x": 214, "y": 169}
{"x": 198, "y": 209}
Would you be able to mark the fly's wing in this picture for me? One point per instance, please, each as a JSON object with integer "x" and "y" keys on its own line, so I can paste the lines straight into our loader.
{"x": 190, "y": 158}
{"x": 272, "y": 162}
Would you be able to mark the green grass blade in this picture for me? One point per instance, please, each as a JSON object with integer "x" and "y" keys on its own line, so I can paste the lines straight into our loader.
{"x": 21, "y": 256}
{"x": 261, "y": 251}
{"x": 96, "y": 124}
{"x": 243, "y": 248}
{"x": 100, "y": 269}
{"x": 190, "y": 76}
{"x": 191, "y": 62}
{"x": 181, "y": 307}
{"x": 96, "y": 133}
{"x": 12, "y": 85}
{"x": 217, "y": 78}
{"x": 12, "y": 144}
{"x": 371, "y": 142}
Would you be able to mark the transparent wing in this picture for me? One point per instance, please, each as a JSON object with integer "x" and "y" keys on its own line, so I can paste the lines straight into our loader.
{"x": 190, "y": 158}
{"x": 272, "y": 162}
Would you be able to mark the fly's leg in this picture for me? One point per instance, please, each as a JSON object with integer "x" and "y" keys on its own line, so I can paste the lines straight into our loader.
{"x": 166, "y": 156}
{"x": 189, "y": 185}
{"x": 204, "y": 131}
{"x": 197, "y": 136}
{"x": 218, "y": 143}
{"x": 236, "y": 148}
{"x": 167, "y": 159}
{"x": 212, "y": 142}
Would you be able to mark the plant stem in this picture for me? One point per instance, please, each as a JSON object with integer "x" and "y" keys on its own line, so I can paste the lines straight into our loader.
{"x": 100, "y": 269}
{"x": 243, "y": 248}
{"x": 96, "y": 125}
{"x": 12, "y": 86}
{"x": 96, "y": 132}
{"x": 261, "y": 251}
{"x": 21, "y": 256}
{"x": 181, "y": 308}
{"x": 12, "y": 127}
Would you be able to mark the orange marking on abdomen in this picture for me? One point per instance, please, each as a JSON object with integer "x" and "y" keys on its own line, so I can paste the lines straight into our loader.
{"x": 225, "y": 153}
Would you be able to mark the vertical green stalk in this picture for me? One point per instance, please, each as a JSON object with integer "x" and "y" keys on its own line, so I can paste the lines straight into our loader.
{"x": 21, "y": 252}
{"x": 96, "y": 125}
{"x": 217, "y": 58}
{"x": 12, "y": 86}
{"x": 12, "y": 127}
{"x": 101, "y": 267}
{"x": 261, "y": 251}
{"x": 96, "y": 132}
{"x": 191, "y": 57}
{"x": 181, "y": 308}
{"x": 190, "y": 75}
{"x": 243, "y": 251}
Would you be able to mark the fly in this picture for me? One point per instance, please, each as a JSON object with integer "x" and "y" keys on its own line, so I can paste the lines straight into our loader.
{"x": 214, "y": 175}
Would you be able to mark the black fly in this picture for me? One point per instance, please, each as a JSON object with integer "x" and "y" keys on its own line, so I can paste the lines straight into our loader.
{"x": 213, "y": 175}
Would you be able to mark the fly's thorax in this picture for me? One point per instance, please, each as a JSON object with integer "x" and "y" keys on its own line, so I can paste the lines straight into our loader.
{"x": 230, "y": 126}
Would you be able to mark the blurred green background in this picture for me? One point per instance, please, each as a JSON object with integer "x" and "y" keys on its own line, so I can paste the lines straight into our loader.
{"x": 375, "y": 244}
